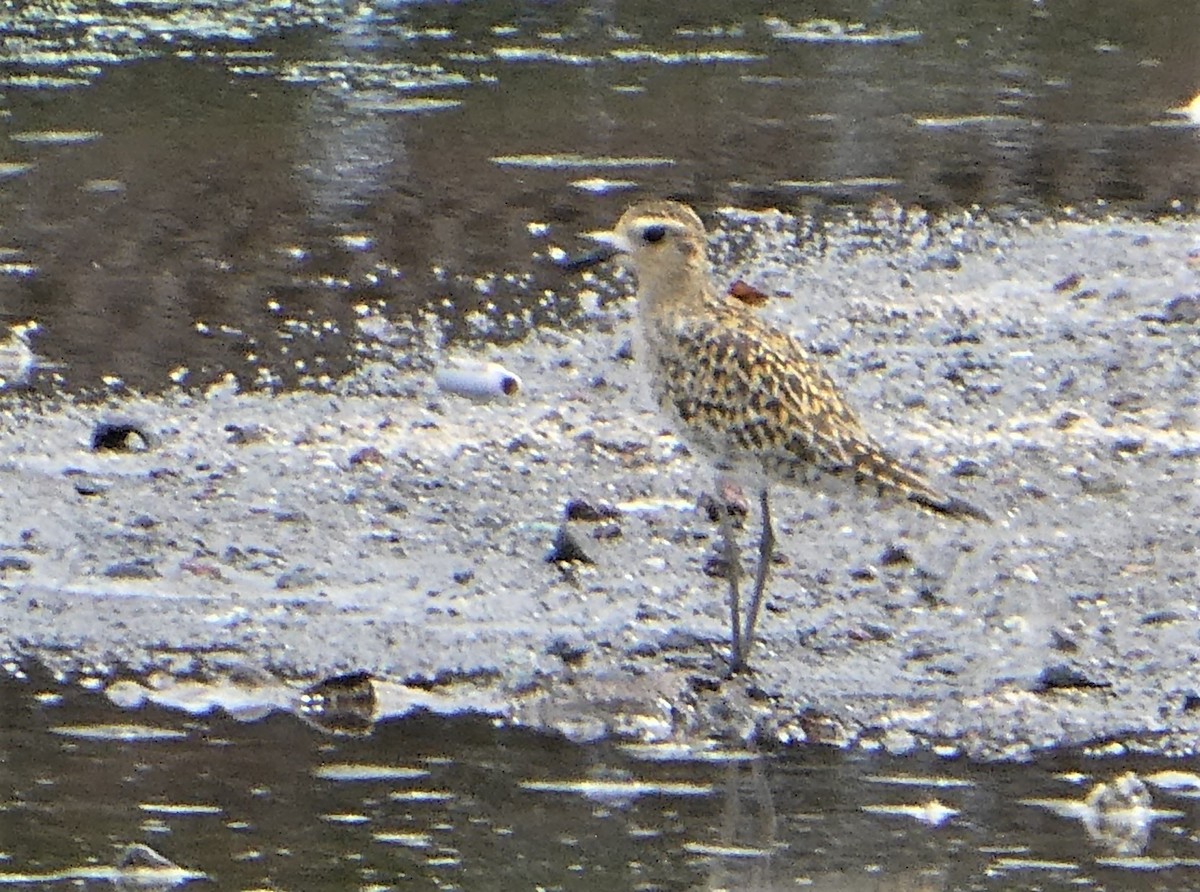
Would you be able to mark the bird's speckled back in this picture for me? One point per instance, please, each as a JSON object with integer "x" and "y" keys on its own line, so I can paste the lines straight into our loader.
{"x": 742, "y": 391}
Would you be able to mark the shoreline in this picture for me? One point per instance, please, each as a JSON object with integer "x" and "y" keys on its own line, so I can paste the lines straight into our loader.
{"x": 389, "y": 528}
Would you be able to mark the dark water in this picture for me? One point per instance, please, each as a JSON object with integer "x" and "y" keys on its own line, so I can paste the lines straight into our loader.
{"x": 426, "y": 802}
{"x": 187, "y": 190}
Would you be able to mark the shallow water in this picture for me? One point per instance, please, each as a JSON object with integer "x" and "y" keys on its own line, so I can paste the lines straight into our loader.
{"x": 189, "y": 190}
{"x": 186, "y": 191}
{"x": 463, "y": 803}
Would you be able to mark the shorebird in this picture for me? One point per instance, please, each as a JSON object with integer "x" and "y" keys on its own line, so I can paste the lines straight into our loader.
{"x": 744, "y": 393}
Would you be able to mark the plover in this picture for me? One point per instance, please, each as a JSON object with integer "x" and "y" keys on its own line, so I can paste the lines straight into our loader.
{"x": 742, "y": 392}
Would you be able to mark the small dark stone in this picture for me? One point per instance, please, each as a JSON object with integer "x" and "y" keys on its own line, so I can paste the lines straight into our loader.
{"x": 948, "y": 667}
{"x": 578, "y": 509}
{"x": 923, "y": 653}
{"x": 963, "y": 337}
{"x": 368, "y": 455}
{"x": 571, "y": 654}
{"x": 941, "y": 260}
{"x": 90, "y": 486}
{"x": 625, "y": 447}
{"x": 716, "y": 566}
{"x": 863, "y": 574}
{"x": 755, "y": 692}
{"x": 1070, "y": 283}
{"x": 1161, "y": 617}
{"x": 607, "y": 531}
{"x": 139, "y": 568}
{"x": 895, "y": 554}
{"x": 13, "y": 562}
{"x": 462, "y": 577}
{"x": 566, "y": 549}
{"x": 1130, "y": 400}
{"x": 1061, "y": 676}
{"x": 625, "y": 351}
{"x": 871, "y": 632}
{"x": 1128, "y": 443}
{"x": 1191, "y": 702}
{"x": 706, "y": 683}
{"x": 519, "y": 443}
{"x": 301, "y": 577}
{"x": 144, "y": 522}
{"x": 1063, "y": 641}
{"x": 1066, "y": 419}
{"x": 651, "y": 613}
{"x": 116, "y": 437}
{"x": 643, "y": 649}
{"x": 878, "y": 631}
{"x": 1182, "y": 308}
{"x": 243, "y": 435}
{"x": 678, "y": 639}
{"x": 967, "y": 467}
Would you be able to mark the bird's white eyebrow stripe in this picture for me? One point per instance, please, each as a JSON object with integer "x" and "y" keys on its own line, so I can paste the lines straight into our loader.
{"x": 650, "y": 220}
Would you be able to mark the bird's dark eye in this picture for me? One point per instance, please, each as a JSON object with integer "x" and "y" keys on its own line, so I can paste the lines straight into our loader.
{"x": 655, "y": 233}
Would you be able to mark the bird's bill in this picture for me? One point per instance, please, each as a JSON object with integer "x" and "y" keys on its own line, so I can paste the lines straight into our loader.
{"x": 611, "y": 244}
{"x": 613, "y": 241}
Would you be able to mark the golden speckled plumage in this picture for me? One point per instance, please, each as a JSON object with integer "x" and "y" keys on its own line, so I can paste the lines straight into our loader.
{"x": 745, "y": 393}
{"x": 754, "y": 399}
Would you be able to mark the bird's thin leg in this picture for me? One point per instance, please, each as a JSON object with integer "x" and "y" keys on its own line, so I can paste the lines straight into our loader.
{"x": 733, "y": 570}
{"x": 766, "y": 547}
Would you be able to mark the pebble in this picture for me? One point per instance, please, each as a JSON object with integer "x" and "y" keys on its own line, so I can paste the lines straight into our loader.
{"x": 119, "y": 436}
{"x": 1061, "y": 676}
{"x": 1183, "y": 308}
{"x": 476, "y": 379}
{"x": 582, "y": 510}
{"x": 566, "y": 549}
{"x": 139, "y": 568}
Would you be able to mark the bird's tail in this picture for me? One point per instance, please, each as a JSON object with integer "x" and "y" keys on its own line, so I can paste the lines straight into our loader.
{"x": 875, "y": 465}
{"x": 949, "y": 506}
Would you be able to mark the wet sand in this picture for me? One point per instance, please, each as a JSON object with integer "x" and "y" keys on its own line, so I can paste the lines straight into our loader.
{"x": 1045, "y": 372}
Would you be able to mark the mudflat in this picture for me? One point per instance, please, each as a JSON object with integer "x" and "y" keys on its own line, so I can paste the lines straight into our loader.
{"x": 1047, "y": 372}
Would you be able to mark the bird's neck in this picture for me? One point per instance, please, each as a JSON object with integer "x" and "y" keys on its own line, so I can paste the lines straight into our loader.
{"x": 671, "y": 289}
